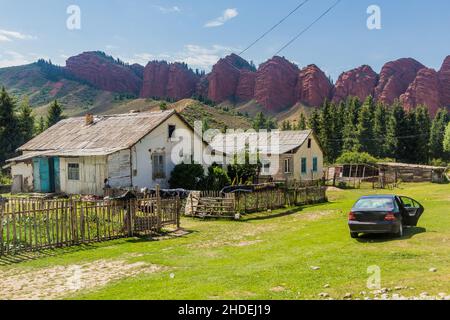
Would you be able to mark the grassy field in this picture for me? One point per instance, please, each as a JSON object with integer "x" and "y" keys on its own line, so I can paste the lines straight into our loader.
{"x": 266, "y": 256}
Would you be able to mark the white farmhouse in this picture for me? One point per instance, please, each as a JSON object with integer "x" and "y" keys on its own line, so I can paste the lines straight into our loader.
{"x": 78, "y": 155}
{"x": 284, "y": 155}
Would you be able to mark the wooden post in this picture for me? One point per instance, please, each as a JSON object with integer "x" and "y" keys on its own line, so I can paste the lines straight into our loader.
{"x": 2, "y": 209}
{"x": 192, "y": 204}
{"x": 178, "y": 211}
{"x": 158, "y": 206}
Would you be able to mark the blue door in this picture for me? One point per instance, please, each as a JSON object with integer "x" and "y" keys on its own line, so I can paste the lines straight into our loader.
{"x": 56, "y": 175}
{"x": 44, "y": 172}
{"x": 42, "y": 176}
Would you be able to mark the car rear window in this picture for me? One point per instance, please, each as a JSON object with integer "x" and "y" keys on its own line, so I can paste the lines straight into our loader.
{"x": 375, "y": 203}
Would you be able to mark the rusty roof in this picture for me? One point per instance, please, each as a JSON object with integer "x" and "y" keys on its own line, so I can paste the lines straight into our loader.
{"x": 106, "y": 135}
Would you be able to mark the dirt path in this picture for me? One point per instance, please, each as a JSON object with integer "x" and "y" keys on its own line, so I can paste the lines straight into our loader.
{"x": 60, "y": 281}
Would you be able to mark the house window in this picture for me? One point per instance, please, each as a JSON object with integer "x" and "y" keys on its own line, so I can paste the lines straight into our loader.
{"x": 309, "y": 143}
{"x": 304, "y": 165}
{"x": 265, "y": 170}
{"x": 287, "y": 166}
{"x": 172, "y": 129}
{"x": 73, "y": 171}
{"x": 315, "y": 164}
{"x": 159, "y": 171}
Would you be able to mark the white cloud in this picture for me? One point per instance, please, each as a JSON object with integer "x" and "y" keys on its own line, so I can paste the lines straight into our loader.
{"x": 7, "y": 35}
{"x": 220, "y": 21}
{"x": 12, "y": 58}
{"x": 194, "y": 55}
{"x": 173, "y": 9}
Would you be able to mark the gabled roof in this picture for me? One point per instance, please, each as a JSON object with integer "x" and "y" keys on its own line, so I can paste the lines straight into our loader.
{"x": 275, "y": 142}
{"x": 107, "y": 134}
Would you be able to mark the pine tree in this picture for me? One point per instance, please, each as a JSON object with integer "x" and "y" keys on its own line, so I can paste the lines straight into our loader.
{"x": 364, "y": 130}
{"x": 447, "y": 141}
{"x": 410, "y": 138}
{"x": 437, "y": 134}
{"x": 423, "y": 127}
{"x": 41, "y": 125}
{"x": 326, "y": 135}
{"x": 286, "y": 125}
{"x": 379, "y": 130}
{"x": 351, "y": 120}
{"x": 9, "y": 139}
{"x": 338, "y": 127}
{"x": 54, "y": 114}
{"x": 26, "y": 121}
{"x": 314, "y": 122}
{"x": 395, "y": 128}
{"x": 302, "y": 122}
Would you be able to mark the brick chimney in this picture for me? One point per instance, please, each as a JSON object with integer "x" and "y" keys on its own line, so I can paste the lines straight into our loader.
{"x": 89, "y": 119}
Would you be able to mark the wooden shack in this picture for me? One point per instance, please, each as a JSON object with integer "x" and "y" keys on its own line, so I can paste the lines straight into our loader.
{"x": 412, "y": 172}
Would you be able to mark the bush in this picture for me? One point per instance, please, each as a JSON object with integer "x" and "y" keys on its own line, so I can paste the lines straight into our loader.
{"x": 217, "y": 179}
{"x": 438, "y": 163}
{"x": 356, "y": 158}
{"x": 187, "y": 176}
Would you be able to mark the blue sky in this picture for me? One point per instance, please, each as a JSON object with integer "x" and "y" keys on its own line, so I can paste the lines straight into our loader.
{"x": 201, "y": 31}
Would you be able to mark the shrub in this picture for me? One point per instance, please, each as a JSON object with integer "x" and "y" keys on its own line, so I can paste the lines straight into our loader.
{"x": 356, "y": 158}
{"x": 217, "y": 179}
{"x": 187, "y": 176}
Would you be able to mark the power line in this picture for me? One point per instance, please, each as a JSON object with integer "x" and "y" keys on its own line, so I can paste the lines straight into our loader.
{"x": 274, "y": 27}
{"x": 308, "y": 27}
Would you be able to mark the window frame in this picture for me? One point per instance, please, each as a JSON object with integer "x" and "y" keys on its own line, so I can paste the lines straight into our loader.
{"x": 288, "y": 167}
{"x": 160, "y": 172}
{"x": 71, "y": 166}
{"x": 304, "y": 165}
{"x": 315, "y": 167}
{"x": 171, "y": 128}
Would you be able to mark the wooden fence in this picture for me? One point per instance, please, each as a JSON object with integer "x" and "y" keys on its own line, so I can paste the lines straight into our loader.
{"x": 31, "y": 224}
{"x": 215, "y": 205}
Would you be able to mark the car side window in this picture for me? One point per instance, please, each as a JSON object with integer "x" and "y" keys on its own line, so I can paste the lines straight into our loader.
{"x": 409, "y": 203}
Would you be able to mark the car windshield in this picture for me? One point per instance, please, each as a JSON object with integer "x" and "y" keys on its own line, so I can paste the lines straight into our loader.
{"x": 375, "y": 204}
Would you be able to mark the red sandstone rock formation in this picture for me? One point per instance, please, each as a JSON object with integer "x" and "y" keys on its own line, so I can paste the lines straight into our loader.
{"x": 105, "y": 73}
{"x": 395, "y": 78}
{"x": 275, "y": 85}
{"x": 359, "y": 82}
{"x": 313, "y": 86}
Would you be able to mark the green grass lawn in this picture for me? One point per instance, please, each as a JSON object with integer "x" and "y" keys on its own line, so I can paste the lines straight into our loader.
{"x": 270, "y": 255}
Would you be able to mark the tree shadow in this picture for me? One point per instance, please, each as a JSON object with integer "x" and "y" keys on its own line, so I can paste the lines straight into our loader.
{"x": 408, "y": 233}
{"x": 156, "y": 237}
{"x": 47, "y": 253}
{"x": 268, "y": 216}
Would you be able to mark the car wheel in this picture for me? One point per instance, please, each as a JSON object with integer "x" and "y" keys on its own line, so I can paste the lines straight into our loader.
{"x": 399, "y": 234}
{"x": 354, "y": 235}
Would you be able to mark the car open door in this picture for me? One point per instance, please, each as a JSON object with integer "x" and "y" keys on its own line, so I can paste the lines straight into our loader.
{"x": 413, "y": 210}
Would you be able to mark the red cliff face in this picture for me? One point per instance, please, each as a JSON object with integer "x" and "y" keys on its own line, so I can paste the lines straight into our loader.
{"x": 182, "y": 82}
{"x": 162, "y": 80}
{"x": 444, "y": 78}
{"x": 313, "y": 86}
{"x": 395, "y": 78}
{"x": 105, "y": 73}
{"x": 245, "y": 90}
{"x": 359, "y": 82}
{"x": 224, "y": 78}
{"x": 425, "y": 90}
{"x": 275, "y": 85}
{"x": 156, "y": 77}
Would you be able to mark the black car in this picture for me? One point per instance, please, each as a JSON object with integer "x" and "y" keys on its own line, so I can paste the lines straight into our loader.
{"x": 384, "y": 214}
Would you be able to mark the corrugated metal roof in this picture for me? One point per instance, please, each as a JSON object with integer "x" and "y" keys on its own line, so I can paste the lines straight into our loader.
{"x": 275, "y": 142}
{"x": 108, "y": 134}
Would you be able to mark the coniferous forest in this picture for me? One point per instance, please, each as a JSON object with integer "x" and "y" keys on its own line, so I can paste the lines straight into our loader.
{"x": 381, "y": 131}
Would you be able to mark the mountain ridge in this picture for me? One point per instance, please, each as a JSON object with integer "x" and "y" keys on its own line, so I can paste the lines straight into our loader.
{"x": 93, "y": 78}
